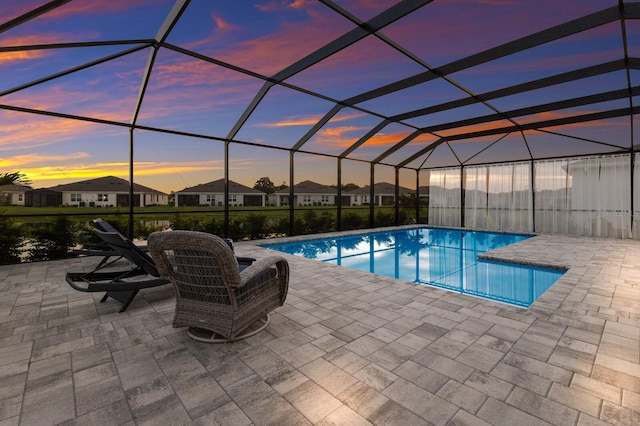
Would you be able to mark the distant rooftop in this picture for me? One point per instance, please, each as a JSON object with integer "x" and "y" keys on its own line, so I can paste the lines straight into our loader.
{"x": 103, "y": 184}
{"x": 217, "y": 186}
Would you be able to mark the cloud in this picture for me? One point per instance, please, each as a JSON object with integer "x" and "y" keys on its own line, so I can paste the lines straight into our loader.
{"x": 63, "y": 170}
{"x": 24, "y": 55}
{"x": 475, "y": 128}
{"x": 224, "y": 25}
{"x": 383, "y": 138}
{"x": 85, "y": 7}
{"x": 293, "y": 39}
{"x": 273, "y": 6}
{"x": 33, "y": 160}
{"x": 555, "y": 115}
{"x": 26, "y": 131}
{"x": 293, "y": 121}
{"x": 534, "y": 118}
{"x": 339, "y": 136}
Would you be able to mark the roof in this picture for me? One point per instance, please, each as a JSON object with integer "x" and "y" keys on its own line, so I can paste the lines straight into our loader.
{"x": 107, "y": 184}
{"x": 309, "y": 187}
{"x": 217, "y": 187}
{"x": 385, "y": 82}
{"x": 14, "y": 188}
{"x": 380, "y": 188}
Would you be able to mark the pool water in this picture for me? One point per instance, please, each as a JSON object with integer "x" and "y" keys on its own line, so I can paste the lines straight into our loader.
{"x": 445, "y": 258}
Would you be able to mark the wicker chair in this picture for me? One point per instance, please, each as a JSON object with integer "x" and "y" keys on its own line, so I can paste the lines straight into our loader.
{"x": 216, "y": 301}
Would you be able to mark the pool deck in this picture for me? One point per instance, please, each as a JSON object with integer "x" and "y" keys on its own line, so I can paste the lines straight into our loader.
{"x": 347, "y": 348}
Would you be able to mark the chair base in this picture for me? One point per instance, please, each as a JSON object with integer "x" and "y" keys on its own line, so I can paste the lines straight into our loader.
{"x": 208, "y": 336}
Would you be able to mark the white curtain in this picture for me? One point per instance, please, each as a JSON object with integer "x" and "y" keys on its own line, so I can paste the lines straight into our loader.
{"x": 588, "y": 196}
{"x": 499, "y": 197}
{"x": 475, "y": 197}
{"x": 444, "y": 197}
{"x": 552, "y": 196}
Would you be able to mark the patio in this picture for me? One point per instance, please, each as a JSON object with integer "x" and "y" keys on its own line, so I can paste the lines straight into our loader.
{"x": 347, "y": 348}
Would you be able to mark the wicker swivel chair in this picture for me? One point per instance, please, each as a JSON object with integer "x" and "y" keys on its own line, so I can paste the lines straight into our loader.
{"x": 216, "y": 301}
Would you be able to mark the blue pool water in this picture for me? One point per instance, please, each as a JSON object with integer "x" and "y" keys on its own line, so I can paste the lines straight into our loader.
{"x": 445, "y": 258}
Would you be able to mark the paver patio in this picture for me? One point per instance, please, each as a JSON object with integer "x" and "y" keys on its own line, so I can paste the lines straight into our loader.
{"x": 348, "y": 348}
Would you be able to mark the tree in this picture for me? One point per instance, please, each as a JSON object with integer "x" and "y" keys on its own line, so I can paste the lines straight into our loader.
{"x": 13, "y": 178}
{"x": 264, "y": 184}
{"x": 347, "y": 186}
{"x": 350, "y": 187}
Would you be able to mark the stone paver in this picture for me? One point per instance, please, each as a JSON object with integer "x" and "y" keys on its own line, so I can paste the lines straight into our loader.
{"x": 347, "y": 348}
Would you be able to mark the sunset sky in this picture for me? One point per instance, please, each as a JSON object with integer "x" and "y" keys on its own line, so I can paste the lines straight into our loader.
{"x": 190, "y": 95}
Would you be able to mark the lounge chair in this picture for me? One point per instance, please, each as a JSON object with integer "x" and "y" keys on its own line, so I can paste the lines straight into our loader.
{"x": 123, "y": 285}
{"x": 102, "y": 249}
{"x": 118, "y": 285}
{"x": 216, "y": 301}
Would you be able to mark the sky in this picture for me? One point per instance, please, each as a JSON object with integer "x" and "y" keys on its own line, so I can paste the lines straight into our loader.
{"x": 189, "y": 96}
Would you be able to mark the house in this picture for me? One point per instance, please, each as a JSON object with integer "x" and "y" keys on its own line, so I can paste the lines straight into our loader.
{"x": 212, "y": 194}
{"x": 306, "y": 193}
{"x": 108, "y": 191}
{"x": 13, "y": 195}
{"x": 384, "y": 194}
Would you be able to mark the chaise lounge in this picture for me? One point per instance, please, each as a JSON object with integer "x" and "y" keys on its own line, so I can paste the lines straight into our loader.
{"x": 121, "y": 285}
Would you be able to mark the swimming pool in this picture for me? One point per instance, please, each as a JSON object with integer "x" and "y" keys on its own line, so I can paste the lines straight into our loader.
{"x": 445, "y": 258}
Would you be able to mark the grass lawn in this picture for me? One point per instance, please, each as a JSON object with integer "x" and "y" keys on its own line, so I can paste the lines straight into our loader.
{"x": 34, "y": 215}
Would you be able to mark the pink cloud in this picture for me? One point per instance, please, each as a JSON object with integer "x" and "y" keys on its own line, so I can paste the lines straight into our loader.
{"x": 91, "y": 7}
{"x": 339, "y": 136}
{"x": 273, "y": 6}
{"x": 32, "y": 160}
{"x": 309, "y": 120}
{"x": 23, "y": 55}
{"x": 293, "y": 122}
{"x": 25, "y": 131}
{"x": 269, "y": 53}
{"x": 223, "y": 25}
{"x": 11, "y": 10}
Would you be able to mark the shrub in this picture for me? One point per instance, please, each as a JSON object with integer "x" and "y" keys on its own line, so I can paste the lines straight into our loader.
{"x": 352, "y": 220}
{"x": 141, "y": 230}
{"x": 11, "y": 241}
{"x": 120, "y": 223}
{"x": 384, "y": 219}
{"x": 255, "y": 226}
{"x": 236, "y": 231}
{"x": 326, "y": 222}
{"x": 281, "y": 225}
{"x": 181, "y": 223}
{"x": 213, "y": 226}
{"x": 52, "y": 241}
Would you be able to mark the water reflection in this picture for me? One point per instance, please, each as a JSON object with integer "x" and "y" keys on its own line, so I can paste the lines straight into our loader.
{"x": 444, "y": 258}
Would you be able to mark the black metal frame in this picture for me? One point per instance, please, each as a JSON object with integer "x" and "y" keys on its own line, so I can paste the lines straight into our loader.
{"x": 620, "y": 13}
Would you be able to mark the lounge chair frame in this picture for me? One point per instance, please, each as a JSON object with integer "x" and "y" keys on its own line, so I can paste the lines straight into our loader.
{"x": 118, "y": 284}
{"x": 101, "y": 249}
